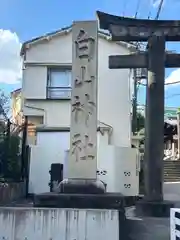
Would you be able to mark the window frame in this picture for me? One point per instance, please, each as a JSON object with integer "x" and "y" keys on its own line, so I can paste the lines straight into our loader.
{"x": 56, "y": 69}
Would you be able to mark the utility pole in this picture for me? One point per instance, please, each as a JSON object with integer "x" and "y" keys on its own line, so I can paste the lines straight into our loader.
{"x": 178, "y": 131}
{"x": 155, "y": 119}
{"x": 138, "y": 75}
{"x": 134, "y": 107}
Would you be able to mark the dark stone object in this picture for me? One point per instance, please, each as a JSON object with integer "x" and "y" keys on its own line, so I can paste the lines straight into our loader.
{"x": 82, "y": 186}
{"x": 89, "y": 201}
{"x": 11, "y": 192}
{"x": 153, "y": 209}
{"x": 82, "y": 201}
{"x": 85, "y": 201}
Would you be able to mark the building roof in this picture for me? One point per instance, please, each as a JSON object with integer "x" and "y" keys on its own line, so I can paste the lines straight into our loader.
{"x": 66, "y": 30}
{"x": 169, "y": 112}
{"x": 16, "y": 91}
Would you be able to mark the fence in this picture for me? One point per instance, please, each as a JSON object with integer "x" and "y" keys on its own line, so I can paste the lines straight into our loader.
{"x": 175, "y": 223}
{"x": 12, "y": 192}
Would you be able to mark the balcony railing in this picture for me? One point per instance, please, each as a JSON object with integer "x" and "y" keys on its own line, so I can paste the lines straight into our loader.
{"x": 58, "y": 92}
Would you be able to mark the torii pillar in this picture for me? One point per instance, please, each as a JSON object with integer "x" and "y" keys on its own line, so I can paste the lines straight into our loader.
{"x": 154, "y": 123}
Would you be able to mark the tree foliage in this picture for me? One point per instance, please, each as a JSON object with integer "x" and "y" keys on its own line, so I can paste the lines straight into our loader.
{"x": 9, "y": 142}
{"x": 140, "y": 121}
{"x": 4, "y": 104}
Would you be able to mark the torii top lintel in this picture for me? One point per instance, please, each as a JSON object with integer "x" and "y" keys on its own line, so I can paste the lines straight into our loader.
{"x": 130, "y": 29}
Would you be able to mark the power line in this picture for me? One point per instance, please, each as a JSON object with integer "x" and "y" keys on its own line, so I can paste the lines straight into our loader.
{"x": 173, "y": 95}
{"x": 166, "y": 84}
{"x": 159, "y": 9}
{"x": 137, "y": 8}
{"x": 124, "y": 7}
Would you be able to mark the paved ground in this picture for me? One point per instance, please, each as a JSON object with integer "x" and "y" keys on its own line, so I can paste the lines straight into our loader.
{"x": 172, "y": 192}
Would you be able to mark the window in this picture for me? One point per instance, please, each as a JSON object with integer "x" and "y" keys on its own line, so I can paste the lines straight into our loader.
{"x": 59, "y": 84}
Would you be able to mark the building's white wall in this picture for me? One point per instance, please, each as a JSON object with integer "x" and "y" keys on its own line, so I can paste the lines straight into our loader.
{"x": 56, "y": 113}
{"x": 58, "y": 143}
{"x": 114, "y": 94}
{"x": 34, "y": 82}
{"x": 113, "y": 87}
{"x": 113, "y": 161}
{"x": 56, "y": 50}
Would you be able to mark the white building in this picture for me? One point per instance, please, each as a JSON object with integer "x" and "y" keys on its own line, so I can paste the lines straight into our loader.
{"x": 46, "y": 91}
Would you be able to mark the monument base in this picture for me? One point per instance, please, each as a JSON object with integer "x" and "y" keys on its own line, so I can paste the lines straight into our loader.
{"x": 153, "y": 208}
{"x": 83, "y": 201}
{"x": 82, "y": 186}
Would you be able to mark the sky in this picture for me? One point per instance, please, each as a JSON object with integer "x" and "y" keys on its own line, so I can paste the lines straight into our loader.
{"x": 22, "y": 20}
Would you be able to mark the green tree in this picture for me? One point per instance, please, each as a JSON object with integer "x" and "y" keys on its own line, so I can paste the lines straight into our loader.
{"x": 140, "y": 121}
{"x": 4, "y": 105}
{"x": 9, "y": 143}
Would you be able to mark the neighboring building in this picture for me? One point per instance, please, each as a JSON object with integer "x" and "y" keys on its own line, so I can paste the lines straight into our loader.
{"x": 170, "y": 131}
{"x": 46, "y": 92}
{"x": 18, "y": 117}
{"x": 16, "y": 106}
{"x": 169, "y": 112}
{"x": 46, "y": 85}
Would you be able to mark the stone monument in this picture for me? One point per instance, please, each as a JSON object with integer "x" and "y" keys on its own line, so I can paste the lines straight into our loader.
{"x": 82, "y": 189}
{"x": 82, "y": 159}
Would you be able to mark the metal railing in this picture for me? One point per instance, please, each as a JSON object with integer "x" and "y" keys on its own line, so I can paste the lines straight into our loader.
{"x": 58, "y": 92}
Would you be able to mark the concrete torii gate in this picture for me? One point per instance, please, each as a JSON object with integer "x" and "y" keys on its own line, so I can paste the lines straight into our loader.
{"x": 155, "y": 59}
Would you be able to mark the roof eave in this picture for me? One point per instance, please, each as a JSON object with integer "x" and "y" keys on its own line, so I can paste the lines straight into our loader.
{"x": 67, "y": 30}
{"x": 45, "y": 37}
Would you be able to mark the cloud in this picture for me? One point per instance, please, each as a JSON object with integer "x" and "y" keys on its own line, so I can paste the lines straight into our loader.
{"x": 174, "y": 78}
{"x": 10, "y": 61}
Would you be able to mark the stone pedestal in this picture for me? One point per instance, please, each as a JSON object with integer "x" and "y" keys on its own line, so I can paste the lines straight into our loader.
{"x": 154, "y": 208}
{"x": 86, "y": 201}
{"x": 72, "y": 200}
{"x": 82, "y": 186}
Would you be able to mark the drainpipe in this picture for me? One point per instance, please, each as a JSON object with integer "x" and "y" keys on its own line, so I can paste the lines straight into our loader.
{"x": 178, "y": 131}
{"x": 109, "y": 129}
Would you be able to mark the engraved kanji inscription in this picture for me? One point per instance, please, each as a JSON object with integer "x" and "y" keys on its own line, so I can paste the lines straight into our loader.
{"x": 84, "y": 45}
{"x": 80, "y": 79}
{"x": 76, "y": 146}
{"x": 88, "y": 146}
{"x": 84, "y": 77}
{"x": 82, "y": 148}
{"x": 90, "y": 108}
{"x": 82, "y": 156}
{"x": 77, "y": 107}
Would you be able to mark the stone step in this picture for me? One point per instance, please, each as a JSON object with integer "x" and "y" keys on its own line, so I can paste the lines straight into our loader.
{"x": 175, "y": 169}
{"x": 171, "y": 180}
{"x": 171, "y": 177}
{"x": 172, "y": 170}
{"x": 173, "y": 165}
